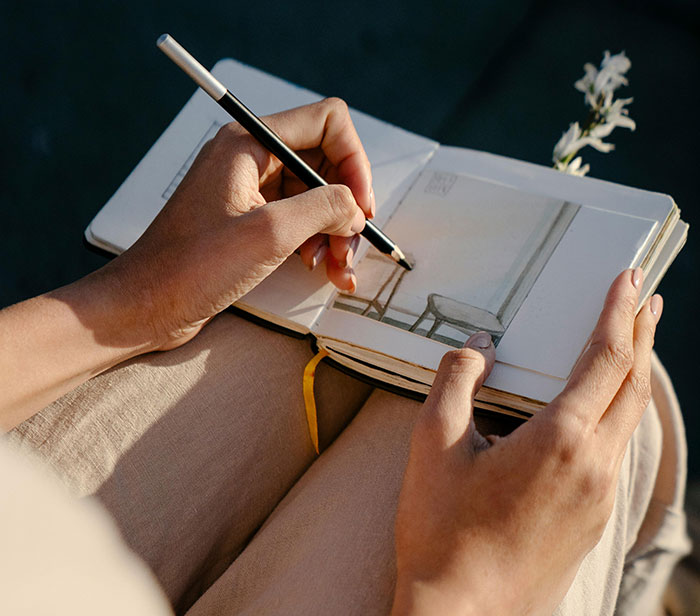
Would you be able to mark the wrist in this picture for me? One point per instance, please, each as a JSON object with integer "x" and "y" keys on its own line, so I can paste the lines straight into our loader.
{"x": 117, "y": 309}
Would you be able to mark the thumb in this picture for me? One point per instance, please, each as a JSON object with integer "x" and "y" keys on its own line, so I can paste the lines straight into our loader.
{"x": 329, "y": 209}
{"x": 448, "y": 409}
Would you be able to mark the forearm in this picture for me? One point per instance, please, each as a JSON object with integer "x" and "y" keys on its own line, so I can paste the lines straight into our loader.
{"x": 52, "y": 343}
{"x": 210, "y": 245}
{"x": 416, "y": 599}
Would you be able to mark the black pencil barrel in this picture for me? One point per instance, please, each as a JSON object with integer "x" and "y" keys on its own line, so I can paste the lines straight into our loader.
{"x": 265, "y": 135}
{"x": 268, "y": 138}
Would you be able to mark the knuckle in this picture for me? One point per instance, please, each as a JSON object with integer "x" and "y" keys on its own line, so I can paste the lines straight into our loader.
{"x": 228, "y": 139}
{"x": 462, "y": 360}
{"x": 640, "y": 384}
{"x": 595, "y": 482}
{"x": 618, "y": 354}
{"x": 227, "y": 131}
{"x": 628, "y": 305}
{"x": 336, "y": 105}
{"x": 567, "y": 436}
{"x": 340, "y": 200}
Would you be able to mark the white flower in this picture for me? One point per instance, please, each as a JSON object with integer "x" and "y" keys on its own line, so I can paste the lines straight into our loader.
{"x": 574, "y": 167}
{"x": 615, "y": 114}
{"x": 563, "y": 147}
{"x": 617, "y": 65}
{"x": 606, "y": 80}
{"x": 600, "y": 131}
{"x": 585, "y": 84}
{"x": 598, "y": 86}
{"x": 571, "y": 142}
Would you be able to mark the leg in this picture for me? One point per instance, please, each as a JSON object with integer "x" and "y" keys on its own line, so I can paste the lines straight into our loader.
{"x": 661, "y": 539}
{"x": 191, "y": 450}
{"x": 328, "y": 546}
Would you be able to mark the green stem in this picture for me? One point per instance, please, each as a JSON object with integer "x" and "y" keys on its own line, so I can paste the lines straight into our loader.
{"x": 592, "y": 120}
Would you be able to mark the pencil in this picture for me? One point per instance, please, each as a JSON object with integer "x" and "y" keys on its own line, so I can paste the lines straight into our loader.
{"x": 267, "y": 137}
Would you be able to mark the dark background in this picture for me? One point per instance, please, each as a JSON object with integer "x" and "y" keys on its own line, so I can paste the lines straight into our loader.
{"x": 84, "y": 93}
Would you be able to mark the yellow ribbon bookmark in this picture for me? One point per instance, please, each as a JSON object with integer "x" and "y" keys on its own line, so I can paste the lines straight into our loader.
{"x": 309, "y": 400}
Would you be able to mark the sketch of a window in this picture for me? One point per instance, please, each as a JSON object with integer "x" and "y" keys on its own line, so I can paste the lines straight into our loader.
{"x": 500, "y": 250}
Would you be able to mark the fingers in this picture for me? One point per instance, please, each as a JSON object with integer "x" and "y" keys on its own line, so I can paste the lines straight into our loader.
{"x": 339, "y": 262}
{"x": 343, "y": 278}
{"x": 320, "y": 248}
{"x": 314, "y": 250}
{"x": 284, "y": 225}
{"x": 606, "y": 363}
{"x": 623, "y": 415}
{"x": 336, "y": 250}
{"x": 327, "y": 124}
{"x": 322, "y": 127}
{"x": 343, "y": 249}
{"x": 447, "y": 414}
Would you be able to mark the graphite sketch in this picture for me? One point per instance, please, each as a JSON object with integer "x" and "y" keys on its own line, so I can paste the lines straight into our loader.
{"x": 478, "y": 247}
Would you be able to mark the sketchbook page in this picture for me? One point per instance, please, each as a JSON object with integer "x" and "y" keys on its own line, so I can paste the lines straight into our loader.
{"x": 530, "y": 270}
{"x": 405, "y": 353}
{"x": 291, "y": 293}
{"x": 538, "y": 386}
{"x": 538, "y": 179}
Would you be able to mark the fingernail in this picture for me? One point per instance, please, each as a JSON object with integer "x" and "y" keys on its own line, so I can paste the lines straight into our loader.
{"x": 637, "y": 276}
{"x": 319, "y": 256}
{"x": 372, "y": 203}
{"x": 353, "y": 282}
{"x": 358, "y": 223}
{"x": 352, "y": 249}
{"x": 480, "y": 340}
{"x": 656, "y": 306}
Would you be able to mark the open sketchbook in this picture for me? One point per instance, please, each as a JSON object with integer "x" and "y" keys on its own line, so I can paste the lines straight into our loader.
{"x": 519, "y": 250}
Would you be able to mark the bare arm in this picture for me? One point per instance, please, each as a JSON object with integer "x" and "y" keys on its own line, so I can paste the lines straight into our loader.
{"x": 234, "y": 219}
{"x": 52, "y": 343}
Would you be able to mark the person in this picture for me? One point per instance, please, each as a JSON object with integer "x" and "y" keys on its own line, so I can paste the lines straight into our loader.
{"x": 485, "y": 523}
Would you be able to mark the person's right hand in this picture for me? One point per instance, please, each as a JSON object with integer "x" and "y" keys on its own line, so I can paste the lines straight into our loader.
{"x": 238, "y": 214}
{"x": 234, "y": 218}
{"x": 500, "y": 526}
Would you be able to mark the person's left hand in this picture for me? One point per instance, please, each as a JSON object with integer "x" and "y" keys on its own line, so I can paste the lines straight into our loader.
{"x": 501, "y": 525}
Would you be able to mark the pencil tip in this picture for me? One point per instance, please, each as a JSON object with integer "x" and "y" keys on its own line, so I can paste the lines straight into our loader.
{"x": 405, "y": 264}
{"x": 398, "y": 256}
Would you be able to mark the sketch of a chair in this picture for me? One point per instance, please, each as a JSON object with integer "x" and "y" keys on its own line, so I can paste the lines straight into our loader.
{"x": 395, "y": 277}
{"x": 381, "y": 301}
{"x": 463, "y": 317}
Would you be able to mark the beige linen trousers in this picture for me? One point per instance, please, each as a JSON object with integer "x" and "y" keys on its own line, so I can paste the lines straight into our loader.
{"x": 202, "y": 458}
